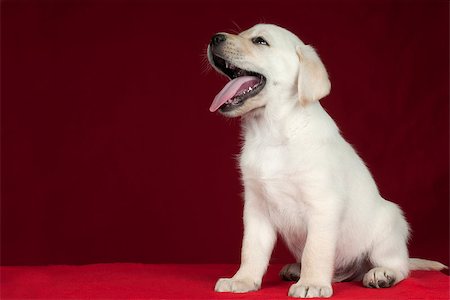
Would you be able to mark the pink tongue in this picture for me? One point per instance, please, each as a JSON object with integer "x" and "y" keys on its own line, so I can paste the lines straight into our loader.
{"x": 231, "y": 89}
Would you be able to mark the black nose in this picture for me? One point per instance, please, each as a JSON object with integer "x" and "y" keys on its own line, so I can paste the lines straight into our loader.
{"x": 218, "y": 39}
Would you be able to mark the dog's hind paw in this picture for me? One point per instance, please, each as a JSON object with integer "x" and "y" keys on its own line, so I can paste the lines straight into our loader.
{"x": 379, "y": 278}
{"x": 290, "y": 272}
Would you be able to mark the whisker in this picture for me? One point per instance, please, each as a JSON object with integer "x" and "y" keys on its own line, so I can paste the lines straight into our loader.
{"x": 205, "y": 65}
{"x": 238, "y": 28}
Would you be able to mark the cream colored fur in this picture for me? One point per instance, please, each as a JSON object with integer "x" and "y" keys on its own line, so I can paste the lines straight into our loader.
{"x": 302, "y": 180}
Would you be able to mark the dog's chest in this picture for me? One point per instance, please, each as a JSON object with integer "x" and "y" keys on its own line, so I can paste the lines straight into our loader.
{"x": 264, "y": 161}
{"x": 268, "y": 167}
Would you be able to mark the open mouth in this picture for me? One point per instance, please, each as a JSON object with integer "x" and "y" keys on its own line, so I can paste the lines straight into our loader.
{"x": 242, "y": 86}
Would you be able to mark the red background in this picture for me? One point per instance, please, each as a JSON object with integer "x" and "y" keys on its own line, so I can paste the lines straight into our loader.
{"x": 109, "y": 152}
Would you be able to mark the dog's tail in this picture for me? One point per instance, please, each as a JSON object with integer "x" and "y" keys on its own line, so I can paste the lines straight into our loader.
{"x": 424, "y": 264}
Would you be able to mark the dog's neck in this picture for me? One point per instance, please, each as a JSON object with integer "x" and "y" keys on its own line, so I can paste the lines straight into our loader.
{"x": 280, "y": 122}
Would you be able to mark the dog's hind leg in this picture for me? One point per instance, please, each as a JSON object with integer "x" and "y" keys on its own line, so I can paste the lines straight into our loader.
{"x": 389, "y": 257}
{"x": 354, "y": 271}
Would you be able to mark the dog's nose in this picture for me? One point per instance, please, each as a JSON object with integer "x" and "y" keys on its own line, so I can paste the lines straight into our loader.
{"x": 218, "y": 39}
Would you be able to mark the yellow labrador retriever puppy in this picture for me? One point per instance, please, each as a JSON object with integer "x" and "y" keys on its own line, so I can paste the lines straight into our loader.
{"x": 301, "y": 178}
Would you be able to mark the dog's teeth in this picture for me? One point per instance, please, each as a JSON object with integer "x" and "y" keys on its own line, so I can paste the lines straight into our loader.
{"x": 227, "y": 64}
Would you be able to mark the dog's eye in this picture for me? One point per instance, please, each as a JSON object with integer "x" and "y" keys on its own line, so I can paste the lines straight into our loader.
{"x": 260, "y": 41}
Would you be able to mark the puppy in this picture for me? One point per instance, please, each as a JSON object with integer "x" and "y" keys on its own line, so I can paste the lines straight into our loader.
{"x": 301, "y": 179}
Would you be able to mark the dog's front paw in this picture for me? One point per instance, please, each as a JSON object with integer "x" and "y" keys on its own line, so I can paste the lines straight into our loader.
{"x": 236, "y": 285}
{"x": 300, "y": 290}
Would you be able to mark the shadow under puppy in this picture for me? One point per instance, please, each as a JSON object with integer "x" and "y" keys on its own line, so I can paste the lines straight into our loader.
{"x": 301, "y": 178}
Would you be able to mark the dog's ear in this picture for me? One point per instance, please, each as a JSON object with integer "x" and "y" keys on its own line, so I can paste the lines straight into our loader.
{"x": 313, "y": 82}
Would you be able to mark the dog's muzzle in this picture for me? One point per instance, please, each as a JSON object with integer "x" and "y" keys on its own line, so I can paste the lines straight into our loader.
{"x": 243, "y": 84}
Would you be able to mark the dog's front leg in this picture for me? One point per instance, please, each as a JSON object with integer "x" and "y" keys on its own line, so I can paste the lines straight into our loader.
{"x": 258, "y": 242}
{"x": 317, "y": 259}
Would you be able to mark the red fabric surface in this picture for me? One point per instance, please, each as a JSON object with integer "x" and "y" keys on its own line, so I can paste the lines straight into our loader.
{"x": 109, "y": 152}
{"x": 139, "y": 281}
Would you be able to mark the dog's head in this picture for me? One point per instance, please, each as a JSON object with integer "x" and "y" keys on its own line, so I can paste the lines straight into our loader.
{"x": 265, "y": 62}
